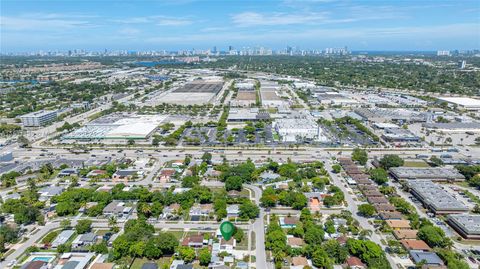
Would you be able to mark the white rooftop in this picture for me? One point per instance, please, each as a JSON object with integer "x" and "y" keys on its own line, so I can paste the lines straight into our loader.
{"x": 462, "y": 101}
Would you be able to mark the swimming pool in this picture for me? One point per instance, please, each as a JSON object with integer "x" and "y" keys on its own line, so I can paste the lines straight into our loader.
{"x": 43, "y": 259}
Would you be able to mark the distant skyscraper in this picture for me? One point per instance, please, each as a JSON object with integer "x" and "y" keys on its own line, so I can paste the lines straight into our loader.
{"x": 443, "y": 53}
{"x": 463, "y": 64}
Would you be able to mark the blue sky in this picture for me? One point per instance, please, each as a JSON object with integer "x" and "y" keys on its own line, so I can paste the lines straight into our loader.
{"x": 187, "y": 24}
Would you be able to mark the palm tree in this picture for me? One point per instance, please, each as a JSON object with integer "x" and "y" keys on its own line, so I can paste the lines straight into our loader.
{"x": 365, "y": 233}
{"x": 112, "y": 222}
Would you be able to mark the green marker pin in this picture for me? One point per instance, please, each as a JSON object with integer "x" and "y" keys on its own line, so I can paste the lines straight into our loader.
{"x": 227, "y": 229}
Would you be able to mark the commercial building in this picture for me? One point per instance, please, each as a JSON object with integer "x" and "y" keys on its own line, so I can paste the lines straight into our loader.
{"x": 300, "y": 127}
{"x": 386, "y": 115}
{"x": 454, "y": 127}
{"x": 399, "y": 135}
{"x": 427, "y": 173}
{"x": 435, "y": 198}
{"x": 467, "y": 225}
{"x": 243, "y": 114}
{"x": 466, "y": 103}
{"x": 38, "y": 118}
{"x": 336, "y": 99}
{"x": 118, "y": 126}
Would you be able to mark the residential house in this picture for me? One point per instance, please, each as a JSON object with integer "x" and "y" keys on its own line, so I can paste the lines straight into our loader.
{"x": 299, "y": 262}
{"x": 268, "y": 176}
{"x": 398, "y": 224}
{"x": 102, "y": 265}
{"x": 96, "y": 173}
{"x": 35, "y": 265}
{"x": 355, "y": 263}
{"x": 84, "y": 240}
{"x": 166, "y": 175}
{"x": 405, "y": 234}
{"x": 171, "y": 211}
{"x": 288, "y": 222}
{"x": 68, "y": 172}
{"x": 74, "y": 260}
{"x": 414, "y": 244}
{"x": 48, "y": 192}
{"x": 201, "y": 210}
{"x": 395, "y": 215}
{"x": 227, "y": 245}
{"x": 194, "y": 241}
{"x": 117, "y": 209}
{"x": 295, "y": 242}
{"x": 62, "y": 238}
{"x": 428, "y": 258}
{"x": 233, "y": 211}
{"x": 124, "y": 175}
{"x": 384, "y": 208}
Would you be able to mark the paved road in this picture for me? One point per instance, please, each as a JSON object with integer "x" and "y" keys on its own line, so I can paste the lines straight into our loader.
{"x": 259, "y": 228}
{"x": 352, "y": 207}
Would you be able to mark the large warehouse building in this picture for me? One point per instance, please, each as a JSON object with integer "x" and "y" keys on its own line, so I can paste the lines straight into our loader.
{"x": 435, "y": 198}
{"x": 196, "y": 92}
{"x": 466, "y": 103}
{"x": 467, "y": 225}
{"x": 118, "y": 126}
{"x": 430, "y": 173}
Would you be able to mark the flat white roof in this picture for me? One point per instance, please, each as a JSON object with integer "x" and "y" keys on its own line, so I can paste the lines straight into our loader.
{"x": 139, "y": 129}
{"x": 462, "y": 101}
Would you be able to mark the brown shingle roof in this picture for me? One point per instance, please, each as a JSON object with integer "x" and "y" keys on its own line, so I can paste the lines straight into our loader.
{"x": 101, "y": 265}
{"x": 413, "y": 244}
{"x": 405, "y": 234}
{"x": 377, "y": 200}
{"x": 402, "y": 224}
{"x": 297, "y": 261}
{"x": 295, "y": 241}
{"x": 354, "y": 261}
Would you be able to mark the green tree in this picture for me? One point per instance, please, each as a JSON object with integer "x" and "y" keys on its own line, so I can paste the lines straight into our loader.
{"x": 390, "y": 160}
{"x": 435, "y": 161}
{"x": 379, "y": 175}
{"x": 336, "y": 168}
{"x": 360, "y": 155}
{"x": 366, "y": 210}
{"x": 269, "y": 197}
{"x": 248, "y": 210}
{"x": 233, "y": 183}
{"x": 187, "y": 254}
{"x": 83, "y": 226}
{"x": 204, "y": 256}
{"x": 335, "y": 251}
{"x": 434, "y": 236}
{"x": 320, "y": 259}
{"x": 207, "y": 157}
{"x": 314, "y": 234}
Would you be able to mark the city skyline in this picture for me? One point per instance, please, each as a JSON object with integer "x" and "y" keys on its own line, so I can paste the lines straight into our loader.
{"x": 180, "y": 25}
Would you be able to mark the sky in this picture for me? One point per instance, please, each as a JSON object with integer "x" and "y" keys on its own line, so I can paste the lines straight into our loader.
{"x": 396, "y": 25}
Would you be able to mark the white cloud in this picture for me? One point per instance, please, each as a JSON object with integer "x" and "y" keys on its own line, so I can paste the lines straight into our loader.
{"x": 246, "y": 19}
{"x": 129, "y": 31}
{"x": 42, "y": 22}
{"x": 157, "y": 20}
